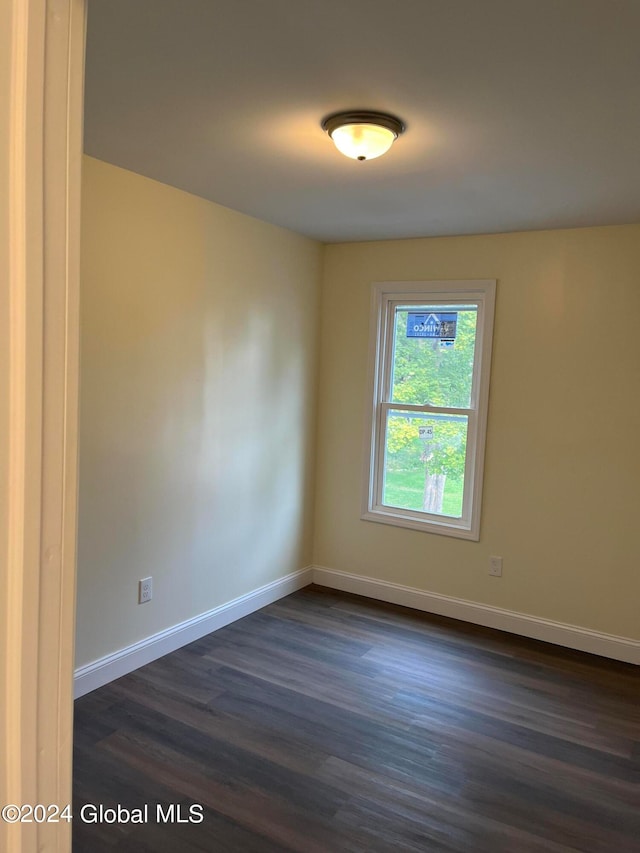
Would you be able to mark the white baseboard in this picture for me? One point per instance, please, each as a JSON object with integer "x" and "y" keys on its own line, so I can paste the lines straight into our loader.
{"x": 571, "y": 636}
{"x": 106, "y": 669}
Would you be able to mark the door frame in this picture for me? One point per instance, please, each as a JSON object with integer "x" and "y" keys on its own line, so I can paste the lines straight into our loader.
{"x": 41, "y": 104}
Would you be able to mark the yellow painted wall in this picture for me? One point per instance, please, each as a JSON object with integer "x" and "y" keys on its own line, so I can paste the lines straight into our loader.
{"x": 198, "y": 390}
{"x": 562, "y": 475}
{"x": 198, "y": 415}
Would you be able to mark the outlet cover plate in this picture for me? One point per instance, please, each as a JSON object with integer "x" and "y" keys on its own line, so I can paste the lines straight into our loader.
{"x": 495, "y": 567}
{"x": 145, "y": 590}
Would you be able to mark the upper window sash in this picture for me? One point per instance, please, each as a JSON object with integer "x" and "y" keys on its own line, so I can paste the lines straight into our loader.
{"x": 391, "y": 302}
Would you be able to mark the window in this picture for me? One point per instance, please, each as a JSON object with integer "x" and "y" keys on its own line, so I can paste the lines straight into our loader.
{"x": 429, "y": 387}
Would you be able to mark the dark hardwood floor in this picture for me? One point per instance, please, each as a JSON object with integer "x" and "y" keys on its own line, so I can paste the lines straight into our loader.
{"x": 327, "y": 722}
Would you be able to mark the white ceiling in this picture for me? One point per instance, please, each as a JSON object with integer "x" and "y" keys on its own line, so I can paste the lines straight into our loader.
{"x": 521, "y": 114}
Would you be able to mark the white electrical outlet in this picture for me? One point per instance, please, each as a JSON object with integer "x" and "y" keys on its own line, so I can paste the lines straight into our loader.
{"x": 145, "y": 590}
{"x": 495, "y": 567}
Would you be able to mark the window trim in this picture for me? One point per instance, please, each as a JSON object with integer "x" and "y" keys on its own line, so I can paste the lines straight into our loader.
{"x": 386, "y": 295}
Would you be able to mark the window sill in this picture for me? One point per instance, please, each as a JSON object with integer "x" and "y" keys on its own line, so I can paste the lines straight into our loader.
{"x": 455, "y": 528}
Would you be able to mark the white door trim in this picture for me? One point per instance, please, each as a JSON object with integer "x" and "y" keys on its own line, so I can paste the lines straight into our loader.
{"x": 41, "y": 106}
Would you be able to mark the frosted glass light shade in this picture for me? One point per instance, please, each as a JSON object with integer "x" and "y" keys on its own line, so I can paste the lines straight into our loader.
{"x": 362, "y": 141}
{"x": 363, "y": 135}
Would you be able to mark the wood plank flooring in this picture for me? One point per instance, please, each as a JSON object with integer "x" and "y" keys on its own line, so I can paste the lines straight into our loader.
{"x": 327, "y": 723}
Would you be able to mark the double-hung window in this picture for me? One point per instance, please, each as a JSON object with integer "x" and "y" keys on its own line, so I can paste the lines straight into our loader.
{"x": 429, "y": 389}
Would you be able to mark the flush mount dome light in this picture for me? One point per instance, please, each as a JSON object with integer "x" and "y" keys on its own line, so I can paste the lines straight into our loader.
{"x": 363, "y": 135}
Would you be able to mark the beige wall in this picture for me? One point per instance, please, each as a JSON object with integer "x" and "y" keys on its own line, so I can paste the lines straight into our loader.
{"x": 198, "y": 393}
{"x": 198, "y": 415}
{"x": 561, "y": 492}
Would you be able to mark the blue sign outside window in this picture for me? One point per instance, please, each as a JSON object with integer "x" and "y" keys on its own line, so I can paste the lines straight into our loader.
{"x": 440, "y": 327}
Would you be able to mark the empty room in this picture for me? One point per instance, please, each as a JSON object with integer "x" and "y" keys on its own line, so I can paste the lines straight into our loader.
{"x": 355, "y": 551}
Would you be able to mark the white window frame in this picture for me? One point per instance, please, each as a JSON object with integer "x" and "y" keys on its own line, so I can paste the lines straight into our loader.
{"x": 386, "y": 296}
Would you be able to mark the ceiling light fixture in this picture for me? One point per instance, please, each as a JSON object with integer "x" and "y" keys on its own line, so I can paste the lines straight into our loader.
{"x": 363, "y": 135}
